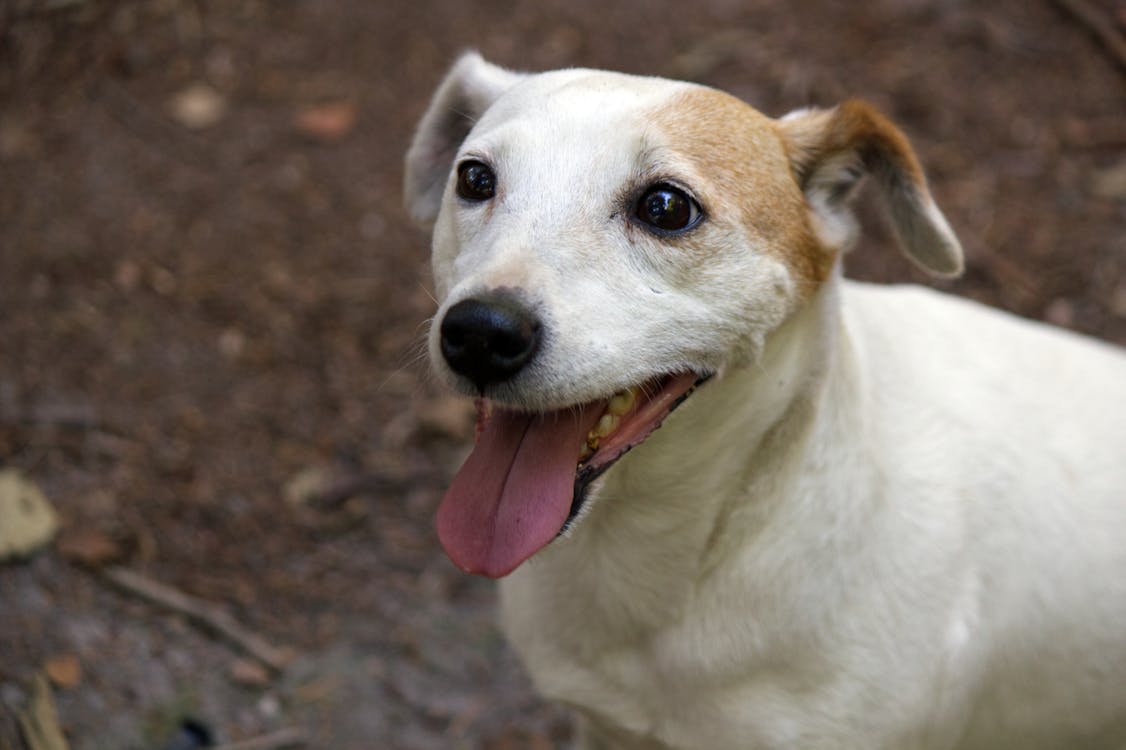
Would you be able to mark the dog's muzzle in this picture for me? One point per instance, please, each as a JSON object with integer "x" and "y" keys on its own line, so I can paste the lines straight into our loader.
{"x": 489, "y": 338}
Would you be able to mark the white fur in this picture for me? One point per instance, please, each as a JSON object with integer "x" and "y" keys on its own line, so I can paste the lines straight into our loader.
{"x": 894, "y": 519}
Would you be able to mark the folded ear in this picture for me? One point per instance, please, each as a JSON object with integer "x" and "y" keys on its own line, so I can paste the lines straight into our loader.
{"x": 830, "y": 150}
{"x": 471, "y": 86}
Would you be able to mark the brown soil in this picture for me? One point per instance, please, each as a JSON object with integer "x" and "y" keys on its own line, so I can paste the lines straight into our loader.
{"x": 210, "y": 299}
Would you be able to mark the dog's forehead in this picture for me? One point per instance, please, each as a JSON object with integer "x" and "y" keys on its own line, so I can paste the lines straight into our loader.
{"x": 575, "y": 119}
{"x": 582, "y": 95}
{"x": 614, "y": 125}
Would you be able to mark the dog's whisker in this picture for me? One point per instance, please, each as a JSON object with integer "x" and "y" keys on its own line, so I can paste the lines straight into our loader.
{"x": 429, "y": 294}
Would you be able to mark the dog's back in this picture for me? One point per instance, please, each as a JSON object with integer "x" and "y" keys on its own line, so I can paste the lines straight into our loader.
{"x": 1026, "y": 435}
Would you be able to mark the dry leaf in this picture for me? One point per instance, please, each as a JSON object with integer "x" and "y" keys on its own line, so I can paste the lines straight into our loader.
{"x": 88, "y": 546}
{"x": 39, "y": 724}
{"x": 327, "y": 122}
{"x": 306, "y": 485}
{"x": 249, "y": 673}
{"x": 27, "y": 520}
{"x": 64, "y": 671}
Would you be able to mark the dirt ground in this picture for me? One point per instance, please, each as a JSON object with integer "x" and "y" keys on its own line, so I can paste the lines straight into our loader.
{"x": 211, "y": 308}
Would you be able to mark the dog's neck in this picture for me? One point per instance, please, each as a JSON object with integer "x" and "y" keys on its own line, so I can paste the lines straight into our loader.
{"x": 641, "y": 551}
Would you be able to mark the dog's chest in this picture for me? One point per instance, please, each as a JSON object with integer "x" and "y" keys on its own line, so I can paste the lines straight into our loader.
{"x": 687, "y": 683}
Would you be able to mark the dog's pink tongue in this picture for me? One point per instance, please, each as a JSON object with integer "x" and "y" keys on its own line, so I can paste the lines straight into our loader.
{"x": 513, "y": 494}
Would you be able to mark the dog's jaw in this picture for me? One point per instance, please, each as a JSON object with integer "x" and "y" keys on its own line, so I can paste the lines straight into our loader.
{"x": 527, "y": 478}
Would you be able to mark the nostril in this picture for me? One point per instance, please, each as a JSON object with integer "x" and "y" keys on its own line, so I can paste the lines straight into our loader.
{"x": 513, "y": 342}
{"x": 489, "y": 339}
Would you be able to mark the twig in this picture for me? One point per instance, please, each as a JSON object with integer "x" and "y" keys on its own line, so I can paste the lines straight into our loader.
{"x": 203, "y": 614}
{"x": 1088, "y": 15}
{"x": 282, "y": 738}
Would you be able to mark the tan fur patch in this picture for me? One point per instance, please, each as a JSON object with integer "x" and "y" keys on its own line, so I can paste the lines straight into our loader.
{"x": 745, "y": 176}
{"x": 857, "y": 127}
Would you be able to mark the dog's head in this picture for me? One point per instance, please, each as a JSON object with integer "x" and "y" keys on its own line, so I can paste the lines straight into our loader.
{"x": 604, "y": 243}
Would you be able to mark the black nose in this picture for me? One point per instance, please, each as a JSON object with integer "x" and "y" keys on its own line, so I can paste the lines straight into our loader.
{"x": 489, "y": 339}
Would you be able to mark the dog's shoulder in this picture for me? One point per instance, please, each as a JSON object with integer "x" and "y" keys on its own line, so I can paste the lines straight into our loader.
{"x": 924, "y": 322}
{"x": 963, "y": 384}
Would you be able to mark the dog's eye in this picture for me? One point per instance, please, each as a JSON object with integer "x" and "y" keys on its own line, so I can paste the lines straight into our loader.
{"x": 475, "y": 181}
{"x": 667, "y": 209}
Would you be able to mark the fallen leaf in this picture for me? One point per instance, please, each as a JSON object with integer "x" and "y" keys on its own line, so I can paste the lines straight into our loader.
{"x": 198, "y": 106}
{"x": 89, "y": 547}
{"x": 64, "y": 671}
{"x": 39, "y": 724}
{"x": 249, "y": 673}
{"x": 27, "y": 520}
{"x": 327, "y": 122}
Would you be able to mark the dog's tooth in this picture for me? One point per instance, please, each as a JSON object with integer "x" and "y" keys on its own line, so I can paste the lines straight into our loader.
{"x": 587, "y": 450}
{"x": 606, "y": 425}
{"x": 621, "y": 402}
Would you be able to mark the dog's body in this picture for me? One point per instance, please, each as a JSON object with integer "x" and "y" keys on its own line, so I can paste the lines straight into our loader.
{"x": 890, "y": 518}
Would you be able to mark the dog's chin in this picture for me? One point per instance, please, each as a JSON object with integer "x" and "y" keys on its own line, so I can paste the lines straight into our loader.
{"x": 648, "y": 406}
{"x": 530, "y": 474}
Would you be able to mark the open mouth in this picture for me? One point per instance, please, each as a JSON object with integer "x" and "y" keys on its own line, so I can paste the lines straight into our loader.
{"x": 528, "y": 475}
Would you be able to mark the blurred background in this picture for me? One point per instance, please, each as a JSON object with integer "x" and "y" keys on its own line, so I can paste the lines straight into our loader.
{"x": 212, "y": 303}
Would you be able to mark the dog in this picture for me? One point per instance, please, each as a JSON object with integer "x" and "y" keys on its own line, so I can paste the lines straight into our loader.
{"x": 736, "y": 500}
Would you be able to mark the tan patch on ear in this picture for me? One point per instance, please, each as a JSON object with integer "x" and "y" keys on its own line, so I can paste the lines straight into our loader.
{"x": 746, "y": 177}
{"x": 831, "y": 149}
{"x": 853, "y": 126}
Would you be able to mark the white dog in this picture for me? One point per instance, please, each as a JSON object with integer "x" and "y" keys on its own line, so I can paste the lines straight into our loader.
{"x": 881, "y": 518}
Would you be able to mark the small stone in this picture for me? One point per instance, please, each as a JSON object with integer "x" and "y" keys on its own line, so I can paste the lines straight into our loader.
{"x": 198, "y": 106}
{"x": 232, "y": 343}
{"x": 269, "y": 707}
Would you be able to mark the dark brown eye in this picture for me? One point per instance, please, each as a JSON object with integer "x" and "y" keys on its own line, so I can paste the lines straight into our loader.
{"x": 475, "y": 181}
{"x": 667, "y": 209}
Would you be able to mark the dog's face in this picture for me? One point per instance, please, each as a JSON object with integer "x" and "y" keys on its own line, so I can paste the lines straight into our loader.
{"x": 603, "y": 244}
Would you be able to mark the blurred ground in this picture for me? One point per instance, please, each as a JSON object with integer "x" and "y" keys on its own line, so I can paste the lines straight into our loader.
{"x": 211, "y": 305}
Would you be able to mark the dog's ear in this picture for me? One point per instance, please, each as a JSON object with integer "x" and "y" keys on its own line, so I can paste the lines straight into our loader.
{"x": 830, "y": 150}
{"x": 471, "y": 86}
